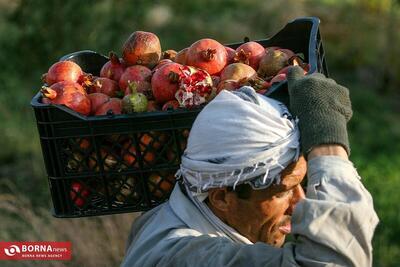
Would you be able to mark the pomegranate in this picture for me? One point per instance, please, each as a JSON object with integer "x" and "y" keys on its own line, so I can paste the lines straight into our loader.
{"x": 165, "y": 82}
{"x": 169, "y": 54}
{"x": 96, "y": 100}
{"x": 124, "y": 189}
{"x": 130, "y": 155}
{"x": 134, "y": 102}
{"x": 79, "y": 193}
{"x": 84, "y": 144}
{"x": 229, "y": 85}
{"x": 114, "y": 106}
{"x": 152, "y": 106}
{"x": 61, "y": 85}
{"x": 107, "y": 158}
{"x": 106, "y": 86}
{"x": 250, "y": 53}
{"x": 152, "y": 140}
{"x": 162, "y": 63}
{"x": 195, "y": 87}
{"x": 231, "y": 53}
{"x": 181, "y": 56}
{"x": 142, "y": 48}
{"x": 160, "y": 186}
{"x": 171, "y": 105}
{"x": 69, "y": 94}
{"x": 238, "y": 72}
{"x": 288, "y": 52}
{"x": 273, "y": 61}
{"x": 208, "y": 55}
{"x": 63, "y": 71}
{"x": 113, "y": 69}
{"x": 140, "y": 76}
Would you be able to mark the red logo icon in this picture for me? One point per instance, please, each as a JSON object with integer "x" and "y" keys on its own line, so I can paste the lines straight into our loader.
{"x": 41, "y": 250}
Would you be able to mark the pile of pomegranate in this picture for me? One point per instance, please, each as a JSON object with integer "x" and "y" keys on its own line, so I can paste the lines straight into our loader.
{"x": 147, "y": 79}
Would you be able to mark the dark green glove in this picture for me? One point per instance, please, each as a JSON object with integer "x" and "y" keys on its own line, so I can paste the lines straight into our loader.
{"x": 323, "y": 108}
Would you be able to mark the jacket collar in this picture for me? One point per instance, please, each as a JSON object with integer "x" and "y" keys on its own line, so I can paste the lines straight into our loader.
{"x": 188, "y": 212}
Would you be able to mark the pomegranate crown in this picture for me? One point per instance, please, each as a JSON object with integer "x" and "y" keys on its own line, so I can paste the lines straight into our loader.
{"x": 208, "y": 54}
{"x": 114, "y": 58}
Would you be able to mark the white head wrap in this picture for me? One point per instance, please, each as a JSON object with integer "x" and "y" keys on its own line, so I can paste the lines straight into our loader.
{"x": 239, "y": 136}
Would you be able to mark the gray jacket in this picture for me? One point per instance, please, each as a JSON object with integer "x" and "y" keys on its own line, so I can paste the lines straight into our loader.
{"x": 334, "y": 226}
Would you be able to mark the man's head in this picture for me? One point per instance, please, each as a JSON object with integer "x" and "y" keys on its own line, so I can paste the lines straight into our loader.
{"x": 261, "y": 215}
{"x": 243, "y": 139}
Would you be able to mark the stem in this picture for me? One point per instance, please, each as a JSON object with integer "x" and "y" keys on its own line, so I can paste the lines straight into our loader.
{"x": 48, "y": 92}
{"x": 114, "y": 58}
{"x": 132, "y": 87}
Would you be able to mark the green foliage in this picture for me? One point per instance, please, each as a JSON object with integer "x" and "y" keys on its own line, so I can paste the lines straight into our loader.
{"x": 375, "y": 140}
{"x": 360, "y": 38}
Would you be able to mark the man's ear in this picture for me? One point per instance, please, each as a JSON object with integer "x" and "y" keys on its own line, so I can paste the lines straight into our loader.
{"x": 220, "y": 199}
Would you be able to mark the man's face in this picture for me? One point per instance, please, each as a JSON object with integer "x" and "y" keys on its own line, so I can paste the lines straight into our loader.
{"x": 264, "y": 216}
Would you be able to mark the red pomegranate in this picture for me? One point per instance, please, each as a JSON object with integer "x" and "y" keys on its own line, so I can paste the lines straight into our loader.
{"x": 231, "y": 53}
{"x": 79, "y": 193}
{"x": 69, "y": 94}
{"x": 165, "y": 82}
{"x": 208, "y": 55}
{"x": 195, "y": 87}
{"x": 140, "y": 75}
{"x": 142, "y": 48}
{"x": 60, "y": 86}
{"x": 238, "y": 72}
{"x": 152, "y": 106}
{"x": 114, "y": 106}
{"x": 250, "y": 53}
{"x": 96, "y": 100}
{"x": 181, "y": 56}
{"x": 62, "y": 71}
{"x": 130, "y": 154}
{"x": 113, "y": 68}
{"x": 162, "y": 63}
{"x": 106, "y": 86}
{"x": 171, "y": 105}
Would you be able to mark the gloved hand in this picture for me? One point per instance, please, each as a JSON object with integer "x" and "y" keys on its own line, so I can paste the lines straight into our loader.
{"x": 323, "y": 108}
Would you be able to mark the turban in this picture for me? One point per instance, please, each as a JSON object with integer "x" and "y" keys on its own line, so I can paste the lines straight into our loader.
{"x": 239, "y": 137}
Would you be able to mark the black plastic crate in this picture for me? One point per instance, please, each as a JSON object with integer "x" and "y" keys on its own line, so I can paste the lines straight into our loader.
{"x": 125, "y": 163}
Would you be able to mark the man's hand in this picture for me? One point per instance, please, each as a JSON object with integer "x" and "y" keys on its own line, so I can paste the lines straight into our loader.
{"x": 323, "y": 108}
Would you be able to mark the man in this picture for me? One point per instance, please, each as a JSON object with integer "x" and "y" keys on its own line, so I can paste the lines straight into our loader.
{"x": 240, "y": 192}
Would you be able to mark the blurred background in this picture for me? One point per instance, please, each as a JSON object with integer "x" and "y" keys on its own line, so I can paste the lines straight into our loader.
{"x": 361, "y": 40}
